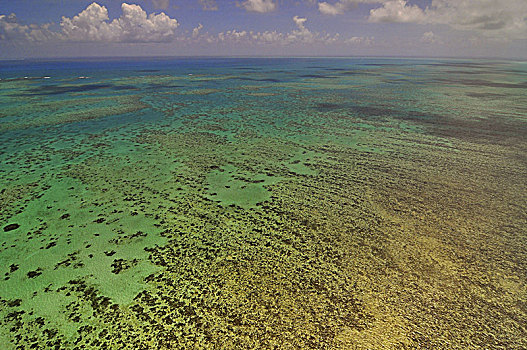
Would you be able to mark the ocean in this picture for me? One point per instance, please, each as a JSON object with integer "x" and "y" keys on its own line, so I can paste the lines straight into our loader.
{"x": 314, "y": 203}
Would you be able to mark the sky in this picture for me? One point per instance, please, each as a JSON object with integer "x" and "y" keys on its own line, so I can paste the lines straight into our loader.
{"x": 408, "y": 28}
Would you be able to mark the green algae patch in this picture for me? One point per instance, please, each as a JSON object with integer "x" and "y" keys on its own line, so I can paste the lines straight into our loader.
{"x": 79, "y": 253}
{"x": 300, "y": 163}
{"x": 229, "y": 186}
{"x": 63, "y": 239}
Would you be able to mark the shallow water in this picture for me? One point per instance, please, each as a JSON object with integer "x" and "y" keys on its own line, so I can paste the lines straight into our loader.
{"x": 263, "y": 203}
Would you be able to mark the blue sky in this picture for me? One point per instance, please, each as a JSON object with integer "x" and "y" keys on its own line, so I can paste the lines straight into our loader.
{"x": 438, "y": 28}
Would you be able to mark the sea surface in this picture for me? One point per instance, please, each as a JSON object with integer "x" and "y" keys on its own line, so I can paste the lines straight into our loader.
{"x": 285, "y": 203}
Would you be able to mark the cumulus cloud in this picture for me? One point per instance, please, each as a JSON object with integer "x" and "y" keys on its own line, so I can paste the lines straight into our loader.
{"x": 339, "y": 7}
{"x": 299, "y": 21}
{"x": 329, "y": 9}
{"x": 398, "y": 11}
{"x": 233, "y": 36}
{"x": 360, "y": 40}
{"x": 301, "y": 34}
{"x": 134, "y": 25}
{"x": 11, "y": 30}
{"x": 430, "y": 38}
{"x": 259, "y": 5}
{"x": 195, "y": 31}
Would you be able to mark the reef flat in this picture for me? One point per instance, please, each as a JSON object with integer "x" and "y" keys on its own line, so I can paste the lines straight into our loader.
{"x": 263, "y": 203}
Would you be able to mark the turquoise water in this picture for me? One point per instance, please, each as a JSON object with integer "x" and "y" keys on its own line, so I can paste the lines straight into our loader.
{"x": 263, "y": 203}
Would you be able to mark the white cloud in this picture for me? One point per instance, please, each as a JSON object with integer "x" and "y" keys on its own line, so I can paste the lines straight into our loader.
{"x": 299, "y": 21}
{"x": 339, "y": 7}
{"x": 397, "y": 11}
{"x": 301, "y": 34}
{"x": 506, "y": 18}
{"x": 430, "y": 38}
{"x": 134, "y": 25}
{"x": 233, "y": 36}
{"x": 12, "y": 30}
{"x": 259, "y": 5}
{"x": 269, "y": 37}
{"x": 195, "y": 31}
{"x": 329, "y": 9}
{"x": 360, "y": 40}
{"x": 503, "y": 19}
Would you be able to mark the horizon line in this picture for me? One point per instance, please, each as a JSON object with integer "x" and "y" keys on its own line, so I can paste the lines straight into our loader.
{"x": 54, "y": 58}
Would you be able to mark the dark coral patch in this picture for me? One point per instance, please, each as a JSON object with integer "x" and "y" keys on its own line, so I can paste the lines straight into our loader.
{"x": 323, "y": 107}
{"x": 318, "y": 76}
{"x": 11, "y": 227}
{"x": 64, "y": 89}
{"x": 33, "y": 274}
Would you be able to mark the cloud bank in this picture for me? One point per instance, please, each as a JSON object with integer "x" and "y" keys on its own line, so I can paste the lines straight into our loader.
{"x": 444, "y": 26}
{"x": 136, "y": 26}
{"x": 300, "y": 35}
{"x": 12, "y": 30}
{"x": 502, "y": 19}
